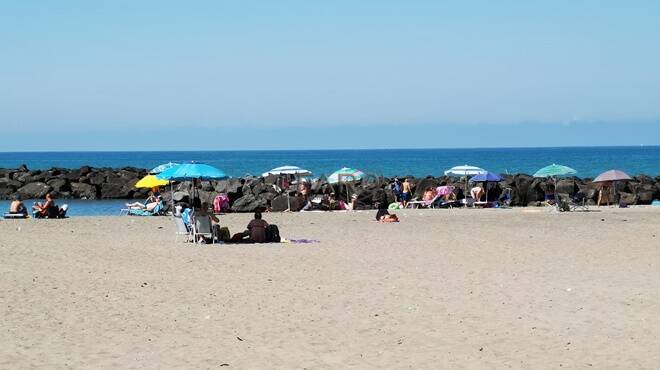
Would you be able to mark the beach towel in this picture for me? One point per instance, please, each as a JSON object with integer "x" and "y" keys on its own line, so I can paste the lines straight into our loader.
{"x": 303, "y": 241}
{"x": 220, "y": 203}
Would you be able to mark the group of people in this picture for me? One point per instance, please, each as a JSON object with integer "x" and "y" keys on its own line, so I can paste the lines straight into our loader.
{"x": 47, "y": 209}
{"x": 208, "y": 228}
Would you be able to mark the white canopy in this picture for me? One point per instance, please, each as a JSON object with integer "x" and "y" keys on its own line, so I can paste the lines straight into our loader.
{"x": 287, "y": 170}
{"x": 464, "y": 170}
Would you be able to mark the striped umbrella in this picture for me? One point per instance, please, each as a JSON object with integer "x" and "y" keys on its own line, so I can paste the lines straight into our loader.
{"x": 555, "y": 170}
{"x": 464, "y": 170}
{"x": 345, "y": 174}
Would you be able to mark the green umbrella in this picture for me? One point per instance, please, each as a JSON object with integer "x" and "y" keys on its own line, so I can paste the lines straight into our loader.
{"x": 555, "y": 170}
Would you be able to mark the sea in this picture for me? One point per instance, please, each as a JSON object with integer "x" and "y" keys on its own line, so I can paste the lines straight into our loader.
{"x": 588, "y": 161}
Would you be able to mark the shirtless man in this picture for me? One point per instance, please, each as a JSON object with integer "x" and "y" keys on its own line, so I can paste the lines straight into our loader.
{"x": 406, "y": 194}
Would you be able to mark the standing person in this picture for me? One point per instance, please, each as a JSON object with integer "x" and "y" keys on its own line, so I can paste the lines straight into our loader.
{"x": 406, "y": 193}
{"x": 396, "y": 189}
{"x": 604, "y": 193}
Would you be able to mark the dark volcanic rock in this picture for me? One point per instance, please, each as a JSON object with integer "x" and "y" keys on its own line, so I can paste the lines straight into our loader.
{"x": 280, "y": 203}
{"x": 83, "y": 191}
{"x": 34, "y": 190}
{"x": 249, "y": 203}
{"x": 116, "y": 191}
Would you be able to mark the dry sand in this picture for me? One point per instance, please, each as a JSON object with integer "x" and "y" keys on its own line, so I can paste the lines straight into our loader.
{"x": 462, "y": 289}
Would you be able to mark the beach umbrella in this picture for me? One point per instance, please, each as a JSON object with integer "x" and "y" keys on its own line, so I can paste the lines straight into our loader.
{"x": 464, "y": 170}
{"x": 151, "y": 181}
{"x": 163, "y": 167}
{"x": 612, "y": 175}
{"x": 486, "y": 177}
{"x": 555, "y": 170}
{"x": 192, "y": 171}
{"x": 287, "y": 170}
{"x": 345, "y": 174}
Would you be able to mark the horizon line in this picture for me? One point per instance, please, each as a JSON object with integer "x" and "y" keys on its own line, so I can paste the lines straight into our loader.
{"x": 329, "y": 149}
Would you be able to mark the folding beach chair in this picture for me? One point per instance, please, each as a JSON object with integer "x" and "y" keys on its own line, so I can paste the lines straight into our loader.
{"x": 202, "y": 229}
{"x": 181, "y": 230}
{"x": 579, "y": 202}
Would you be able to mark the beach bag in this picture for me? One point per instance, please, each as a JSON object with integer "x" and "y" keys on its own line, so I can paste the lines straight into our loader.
{"x": 273, "y": 234}
{"x": 224, "y": 234}
{"x": 220, "y": 203}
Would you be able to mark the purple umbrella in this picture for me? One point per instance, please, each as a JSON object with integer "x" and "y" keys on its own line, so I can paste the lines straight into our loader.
{"x": 612, "y": 175}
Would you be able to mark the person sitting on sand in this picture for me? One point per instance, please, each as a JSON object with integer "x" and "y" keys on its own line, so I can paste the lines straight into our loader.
{"x": 255, "y": 233}
{"x": 42, "y": 209}
{"x": 17, "y": 207}
{"x": 477, "y": 192}
{"x": 149, "y": 205}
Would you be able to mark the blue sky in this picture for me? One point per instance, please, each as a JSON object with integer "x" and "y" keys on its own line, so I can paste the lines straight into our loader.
{"x": 336, "y": 74}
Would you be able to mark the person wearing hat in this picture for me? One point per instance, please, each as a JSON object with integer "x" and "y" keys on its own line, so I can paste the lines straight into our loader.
{"x": 17, "y": 207}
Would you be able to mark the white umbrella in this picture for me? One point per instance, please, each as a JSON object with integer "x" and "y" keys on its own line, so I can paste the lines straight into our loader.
{"x": 287, "y": 170}
{"x": 464, "y": 170}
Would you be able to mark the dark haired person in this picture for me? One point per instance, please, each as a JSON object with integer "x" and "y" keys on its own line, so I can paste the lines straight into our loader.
{"x": 255, "y": 233}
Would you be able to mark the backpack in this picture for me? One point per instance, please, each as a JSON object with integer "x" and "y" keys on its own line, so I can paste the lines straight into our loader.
{"x": 273, "y": 234}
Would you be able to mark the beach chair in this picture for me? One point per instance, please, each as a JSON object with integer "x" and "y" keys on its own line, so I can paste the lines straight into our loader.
{"x": 15, "y": 216}
{"x": 578, "y": 202}
{"x": 157, "y": 211}
{"x": 181, "y": 230}
{"x": 202, "y": 229}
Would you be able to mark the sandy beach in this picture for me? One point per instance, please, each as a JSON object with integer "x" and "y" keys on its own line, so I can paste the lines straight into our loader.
{"x": 460, "y": 289}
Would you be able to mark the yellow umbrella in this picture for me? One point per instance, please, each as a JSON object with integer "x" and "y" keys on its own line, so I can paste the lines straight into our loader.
{"x": 151, "y": 181}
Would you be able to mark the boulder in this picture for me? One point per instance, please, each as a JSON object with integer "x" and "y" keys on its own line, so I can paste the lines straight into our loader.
{"x": 566, "y": 187}
{"x": 84, "y": 170}
{"x": 83, "y": 191}
{"x": 248, "y": 203}
{"x": 73, "y": 175}
{"x": 116, "y": 191}
{"x": 181, "y": 197}
{"x": 7, "y": 183}
{"x": 628, "y": 198}
{"x": 280, "y": 203}
{"x": 59, "y": 185}
{"x": 96, "y": 178}
{"x": 645, "y": 197}
{"x": 34, "y": 190}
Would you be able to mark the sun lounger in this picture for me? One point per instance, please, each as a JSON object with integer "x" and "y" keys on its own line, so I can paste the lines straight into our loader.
{"x": 15, "y": 216}
{"x": 157, "y": 211}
